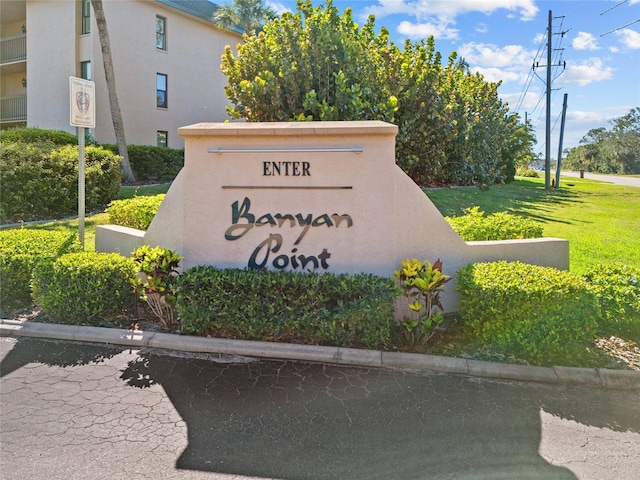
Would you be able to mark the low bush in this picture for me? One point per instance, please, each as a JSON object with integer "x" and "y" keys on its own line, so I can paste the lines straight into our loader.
{"x": 153, "y": 163}
{"x": 617, "y": 287}
{"x": 40, "y": 181}
{"x": 156, "y": 272}
{"x": 341, "y": 310}
{"x": 85, "y": 287}
{"x": 20, "y": 251}
{"x": 537, "y": 314}
{"x": 474, "y": 226}
{"x": 136, "y": 212}
{"x": 527, "y": 172}
{"x": 37, "y": 135}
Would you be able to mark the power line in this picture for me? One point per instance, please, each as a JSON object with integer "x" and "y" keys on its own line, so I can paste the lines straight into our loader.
{"x": 620, "y": 28}
{"x": 615, "y": 6}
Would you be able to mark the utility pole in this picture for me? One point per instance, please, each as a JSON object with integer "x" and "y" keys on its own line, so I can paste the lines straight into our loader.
{"x": 547, "y": 156}
{"x": 564, "y": 115}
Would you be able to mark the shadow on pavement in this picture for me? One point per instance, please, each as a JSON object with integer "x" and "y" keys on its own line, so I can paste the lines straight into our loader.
{"x": 49, "y": 353}
{"x": 291, "y": 420}
{"x": 298, "y": 421}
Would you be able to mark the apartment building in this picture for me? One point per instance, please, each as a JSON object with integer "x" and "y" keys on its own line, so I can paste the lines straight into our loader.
{"x": 166, "y": 57}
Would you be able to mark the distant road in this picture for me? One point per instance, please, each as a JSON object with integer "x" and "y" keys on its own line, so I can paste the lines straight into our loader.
{"x": 615, "y": 179}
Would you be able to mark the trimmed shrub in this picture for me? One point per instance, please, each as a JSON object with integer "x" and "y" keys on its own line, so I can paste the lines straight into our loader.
{"x": 153, "y": 163}
{"x": 40, "y": 181}
{"x": 535, "y": 313}
{"x": 136, "y": 212}
{"x": 38, "y": 135}
{"x": 474, "y": 226}
{"x": 617, "y": 287}
{"x": 20, "y": 251}
{"x": 85, "y": 287}
{"x": 527, "y": 173}
{"x": 341, "y": 310}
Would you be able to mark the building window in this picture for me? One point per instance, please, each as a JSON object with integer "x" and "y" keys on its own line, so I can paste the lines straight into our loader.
{"x": 162, "y": 138}
{"x": 86, "y": 17}
{"x": 161, "y": 90}
{"x": 85, "y": 70}
{"x": 161, "y": 33}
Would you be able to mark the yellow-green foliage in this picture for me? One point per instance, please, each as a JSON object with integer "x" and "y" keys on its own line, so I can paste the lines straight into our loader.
{"x": 136, "y": 212}
{"x": 85, "y": 287}
{"x": 618, "y": 289}
{"x": 474, "y": 226}
{"x": 20, "y": 251}
{"x": 532, "y": 312}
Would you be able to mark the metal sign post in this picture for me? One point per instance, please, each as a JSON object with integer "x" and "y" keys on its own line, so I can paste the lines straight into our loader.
{"x": 82, "y": 114}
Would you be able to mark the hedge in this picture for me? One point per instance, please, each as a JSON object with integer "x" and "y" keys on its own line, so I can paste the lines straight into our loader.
{"x": 84, "y": 287}
{"x": 40, "y": 181}
{"x": 617, "y": 288}
{"x": 153, "y": 163}
{"x": 474, "y": 226}
{"x": 326, "y": 309}
{"x": 38, "y": 135}
{"x": 535, "y": 313}
{"x": 20, "y": 252}
{"x": 136, "y": 212}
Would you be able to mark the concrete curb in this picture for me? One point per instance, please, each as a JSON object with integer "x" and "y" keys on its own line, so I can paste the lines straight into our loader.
{"x": 589, "y": 377}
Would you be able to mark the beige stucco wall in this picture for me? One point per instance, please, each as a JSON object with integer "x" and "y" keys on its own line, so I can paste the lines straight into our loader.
{"x": 51, "y": 60}
{"x": 55, "y": 49}
{"x": 392, "y": 218}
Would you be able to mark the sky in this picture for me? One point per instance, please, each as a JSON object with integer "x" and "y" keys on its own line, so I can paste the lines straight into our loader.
{"x": 502, "y": 39}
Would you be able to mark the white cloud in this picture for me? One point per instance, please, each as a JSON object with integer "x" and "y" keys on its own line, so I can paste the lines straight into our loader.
{"x": 586, "y": 120}
{"x": 585, "y": 41}
{"x": 489, "y": 55}
{"x": 539, "y": 38}
{"x": 510, "y": 63}
{"x": 422, "y": 30}
{"x": 482, "y": 28}
{"x": 436, "y": 17}
{"x": 586, "y": 72}
{"x": 529, "y": 102}
{"x": 278, "y": 7}
{"x": 498, "y": 74}
{"x": 629, "y": 38}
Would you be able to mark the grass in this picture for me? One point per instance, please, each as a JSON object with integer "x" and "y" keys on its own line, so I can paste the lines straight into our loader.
{"x": 93, "y": 220}
{"x": 127, "y": 191}
{"x": 601, "y": 221}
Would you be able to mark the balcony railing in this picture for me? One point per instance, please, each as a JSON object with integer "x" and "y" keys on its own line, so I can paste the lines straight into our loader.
{"x": 13, "y": 49}
{"x": 13, "y": 108}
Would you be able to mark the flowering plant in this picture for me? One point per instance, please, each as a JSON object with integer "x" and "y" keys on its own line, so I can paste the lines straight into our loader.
{"x": 422, "y": 283}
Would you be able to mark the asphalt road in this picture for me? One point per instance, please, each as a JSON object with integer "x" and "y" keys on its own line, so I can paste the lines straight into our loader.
{"x": 615, "y": 179}
{"x": 81, "y": 411}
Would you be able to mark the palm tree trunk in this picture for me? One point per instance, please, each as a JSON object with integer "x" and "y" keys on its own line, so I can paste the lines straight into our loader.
{"x": 116, "y": 115}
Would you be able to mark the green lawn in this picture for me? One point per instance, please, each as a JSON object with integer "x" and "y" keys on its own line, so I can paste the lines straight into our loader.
{"x": 600, "y": 220}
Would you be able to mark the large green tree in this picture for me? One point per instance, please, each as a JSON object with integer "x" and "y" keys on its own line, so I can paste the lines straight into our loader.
{"x": 609, "y": 151}
{"x": 318, "y": 64}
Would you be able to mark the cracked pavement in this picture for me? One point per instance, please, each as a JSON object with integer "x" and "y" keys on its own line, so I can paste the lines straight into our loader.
{"x": 82, "y": 411}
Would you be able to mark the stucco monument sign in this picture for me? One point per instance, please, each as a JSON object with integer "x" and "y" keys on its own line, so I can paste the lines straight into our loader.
{"x": 322, "y": 196}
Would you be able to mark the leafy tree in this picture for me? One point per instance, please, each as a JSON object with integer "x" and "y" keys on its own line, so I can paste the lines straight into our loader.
{"x": 317, "y": 64}
{"x": 248, "y": 15}
{"x": 311, "y": 65}
{"x": 609, "y": 151}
